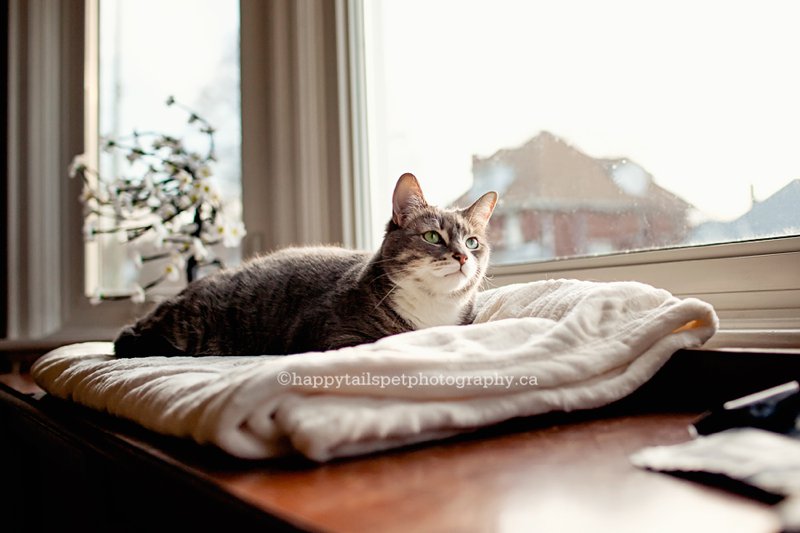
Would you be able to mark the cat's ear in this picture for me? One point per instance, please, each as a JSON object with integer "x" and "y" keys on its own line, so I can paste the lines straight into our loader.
{"x": 406, "y": 198}
{"x": 480, "y": 212}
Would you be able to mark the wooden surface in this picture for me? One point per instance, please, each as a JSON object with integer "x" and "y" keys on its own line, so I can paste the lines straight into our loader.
{"x": 573, "y": 477}
{"x": 554, "y": 473}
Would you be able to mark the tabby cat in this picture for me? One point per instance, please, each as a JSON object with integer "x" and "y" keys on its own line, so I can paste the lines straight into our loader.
{"x": 426, "y": 273}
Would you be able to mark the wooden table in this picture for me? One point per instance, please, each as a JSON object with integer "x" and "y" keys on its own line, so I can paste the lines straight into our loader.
{"x": 565, "y": 472}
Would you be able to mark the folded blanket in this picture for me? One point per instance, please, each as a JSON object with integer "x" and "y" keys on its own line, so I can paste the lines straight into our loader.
{"x": 534, "y": 348}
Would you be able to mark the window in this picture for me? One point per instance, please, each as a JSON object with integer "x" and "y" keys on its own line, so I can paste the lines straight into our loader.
{"x": 306, "y": 90}
{"x": 50, "y": 82}
{"x": 605, "y": 126}
{"x": 148, "y": 51}
{"x": 626, "y": 140}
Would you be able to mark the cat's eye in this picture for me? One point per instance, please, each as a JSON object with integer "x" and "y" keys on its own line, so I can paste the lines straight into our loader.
{"x": 432, "y": 237}
{"x": 472, "y": 243}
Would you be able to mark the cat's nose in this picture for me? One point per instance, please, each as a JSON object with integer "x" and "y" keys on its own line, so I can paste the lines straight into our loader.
{"x": 461, "y": 258}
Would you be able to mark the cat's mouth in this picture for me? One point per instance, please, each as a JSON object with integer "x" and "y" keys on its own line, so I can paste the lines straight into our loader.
{"x": 461, "y": 271}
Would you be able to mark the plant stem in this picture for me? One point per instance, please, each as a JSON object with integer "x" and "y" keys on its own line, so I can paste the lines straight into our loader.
{"x": 191, "y": 263}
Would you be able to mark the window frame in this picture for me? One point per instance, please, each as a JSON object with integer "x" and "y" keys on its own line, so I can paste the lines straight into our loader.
{"x": 46, "y": 302}
{"x": 295, "y": 143}
{"x": 754, "y": 285}
{"x": 303, "y": 110}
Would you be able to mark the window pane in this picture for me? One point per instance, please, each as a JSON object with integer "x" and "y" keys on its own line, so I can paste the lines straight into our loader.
{"x": 150, "y": 50}
{"x": 605, "y": 126}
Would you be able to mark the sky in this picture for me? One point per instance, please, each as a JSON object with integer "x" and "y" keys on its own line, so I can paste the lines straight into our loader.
{"x": 703, "y": 94}
{"x": 189, "y": 51}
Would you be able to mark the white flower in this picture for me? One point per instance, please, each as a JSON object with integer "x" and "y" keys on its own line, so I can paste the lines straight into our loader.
{"x": 172, "y": 272}
{"x": 160, "y": 233}
{"x": 137, "y": 295}
{"x": 147, "y": 181}
{"x": 167, "y": 211}
{"x": 202, "y": 191}
{"x": 90, "y": 206}
{"x": 199, "y": 251}
{"x": 109, "y": 145}
{"x": 185, "y": 201}
{"x": 231, "y": 233}
{"x": 210, "y": 191}
{"x": 77, "y": 166}
{"x": 162, "y": 195}
{"x": 153, "y": 202}
{"x": 178, "y": 260}
{"x": 234, "y": 235}
{"x": 123, "y": 202}
{"x": 217, "y": 231}
{"x": 204, "y": 171}
{"x": 135, "y": 257}
{"x": 184, "y": 178}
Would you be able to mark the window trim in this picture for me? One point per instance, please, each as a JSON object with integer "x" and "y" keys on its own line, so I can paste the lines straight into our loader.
{"x": 46, "y": 302}
{"x": 755, "y": 310}
{"x": 353, "y": 123}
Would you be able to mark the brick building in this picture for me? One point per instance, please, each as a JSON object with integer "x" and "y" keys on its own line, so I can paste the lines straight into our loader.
{"x": 556, "y": 201}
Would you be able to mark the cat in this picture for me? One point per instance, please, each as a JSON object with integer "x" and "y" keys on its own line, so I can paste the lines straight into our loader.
{"x": 427, "y": 272}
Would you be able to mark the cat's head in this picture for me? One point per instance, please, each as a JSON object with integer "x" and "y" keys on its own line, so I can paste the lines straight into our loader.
{"x": 438, "y": 251}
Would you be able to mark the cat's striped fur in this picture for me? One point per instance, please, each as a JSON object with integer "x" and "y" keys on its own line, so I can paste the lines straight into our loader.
{"x": 312, "y": 299}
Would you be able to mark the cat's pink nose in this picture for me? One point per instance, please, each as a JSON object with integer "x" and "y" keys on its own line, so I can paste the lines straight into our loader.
{"x": 461, "y": 258}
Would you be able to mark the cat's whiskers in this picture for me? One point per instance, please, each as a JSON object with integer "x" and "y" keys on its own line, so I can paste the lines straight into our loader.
{"x": 402, "y": 271}
{"x": 389, "y": 292}
{"x": 382, "y": 261}
{"x": 489, "y": 281}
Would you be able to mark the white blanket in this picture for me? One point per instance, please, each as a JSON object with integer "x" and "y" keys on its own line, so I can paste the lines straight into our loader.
{"x": 534, "y": 348}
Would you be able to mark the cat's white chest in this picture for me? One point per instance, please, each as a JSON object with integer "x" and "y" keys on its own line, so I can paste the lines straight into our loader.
{"x": 422, "y": 310}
